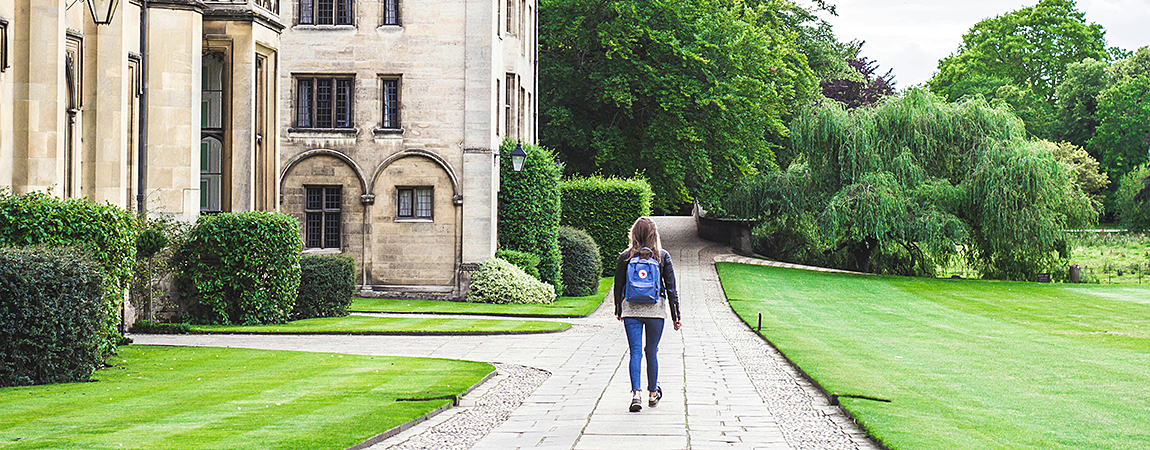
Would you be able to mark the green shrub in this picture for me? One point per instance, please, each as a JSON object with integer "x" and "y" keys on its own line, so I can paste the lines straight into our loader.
{"x": 326, "y": 285}
{"x": 52, "y": 323}
{"x": 1133, "y": 214}
{"x": 241, "y": 268}
{"x": 148, "y": 327}
{"x": 498, "y": 281}
{"x": 605, "y": 208}
{"x": 529, "y": 262}
{"x": 154, "y": 268}
{"x": 581, "y": 262}
{"x": 103, "y": 231}
{"x": 529, "y": 208}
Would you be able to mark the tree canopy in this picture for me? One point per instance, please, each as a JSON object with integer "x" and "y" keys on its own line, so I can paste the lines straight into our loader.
{"x": 693, "y": 95}
{"x": 904, "y": 186}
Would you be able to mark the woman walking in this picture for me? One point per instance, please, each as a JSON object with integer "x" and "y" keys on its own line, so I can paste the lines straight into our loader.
{"x": 644, "y": 288}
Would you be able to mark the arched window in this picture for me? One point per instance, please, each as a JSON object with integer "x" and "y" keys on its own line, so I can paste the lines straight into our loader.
{"x": 213, "y": 133}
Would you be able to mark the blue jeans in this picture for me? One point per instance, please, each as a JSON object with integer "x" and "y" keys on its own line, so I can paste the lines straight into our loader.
{"x": 653, "y": 328}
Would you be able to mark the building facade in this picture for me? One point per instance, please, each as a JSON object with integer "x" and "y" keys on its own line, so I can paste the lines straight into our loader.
{"x": 393, "y": 115}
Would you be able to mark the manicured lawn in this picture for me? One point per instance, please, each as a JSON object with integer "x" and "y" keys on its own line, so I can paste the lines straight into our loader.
{"x": 354, "y": 324}
{"x": 220, "y": 398}
{"x": 964, "y": 363}
{"x": 563, "y": 306}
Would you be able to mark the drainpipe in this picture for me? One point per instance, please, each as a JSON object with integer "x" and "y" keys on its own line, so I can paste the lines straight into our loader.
{"x": 142, "y": 151}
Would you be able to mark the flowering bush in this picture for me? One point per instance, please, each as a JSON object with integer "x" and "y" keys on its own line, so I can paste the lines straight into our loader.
{"x": 498, "y": 281}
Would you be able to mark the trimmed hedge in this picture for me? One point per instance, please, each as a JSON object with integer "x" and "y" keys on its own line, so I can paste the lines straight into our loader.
{"x": 529, "y": 262}
{"x": 104, "y": 232}
{"x": 498, "y": 281}
{"x": 326, "y": 286}
{"x": 241, "y": 268}
{"x": 605, "y": 208}
{"x": 529, "y": 208}
{"x": 581, "y": 262}
{"x": 52, "y": 323}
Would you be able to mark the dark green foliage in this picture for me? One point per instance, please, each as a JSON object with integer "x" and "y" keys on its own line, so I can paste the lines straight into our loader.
{"x": 529, "y": 208}
{"x": 326, "y": 286}
{"x": 1133, "y": 210}
{"x": 105, "y": 232}
{"x": 901, "y": 187}
{"x": 1077, "y": 101}
{"x": 148, "y": 327}
{"x": 692, "y": 95}
{"x": 1122, "y": 137}
{"x": 529, "y": 262}
{"x": 52, "y": 321}
{"x": 241, "y": 268}
{"x": 605, "y": 208}
{"x": 149, "y": 242}
{"x": 581, "y": 262}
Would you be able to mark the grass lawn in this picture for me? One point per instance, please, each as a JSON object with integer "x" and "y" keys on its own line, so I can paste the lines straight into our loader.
{"x": 964, "y": 363}
{"x": 563, "y": 306}
{"x": 391, "y": 325}
{"x": 1112, "y": 258}
{"x": 221, "y": 398}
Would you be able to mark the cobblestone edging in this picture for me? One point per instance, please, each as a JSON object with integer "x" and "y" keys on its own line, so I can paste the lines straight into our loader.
{"x": 493, "y": 407}
{"x": 803, "y": 412}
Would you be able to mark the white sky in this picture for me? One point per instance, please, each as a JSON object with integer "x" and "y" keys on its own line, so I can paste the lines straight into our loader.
{"x": 911, "y": 36}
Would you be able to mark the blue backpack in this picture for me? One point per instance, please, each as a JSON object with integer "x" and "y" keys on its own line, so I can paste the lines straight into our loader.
{"x": 643, "y": 279}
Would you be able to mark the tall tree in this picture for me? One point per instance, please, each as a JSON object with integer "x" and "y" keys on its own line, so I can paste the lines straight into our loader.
{"x": 1077, "y": 101}
{"x": 1030, "y": 47}
{"x": 691, "y": 94}
{"x": 1122, "y": 137}
{"x": 865, "y": 88}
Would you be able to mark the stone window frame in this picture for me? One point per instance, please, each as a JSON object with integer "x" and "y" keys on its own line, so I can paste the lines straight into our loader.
{"x": 390, "y": 89}
{"x": 313, "y": 114}
{"x": 221, "y": 50}
{"x": 313, "y": 11}
{"x": 390, "y": 13}
{"x": 3, "y": 45}
{"x": 414, "y": 211}
{"x": 330, "y": 217}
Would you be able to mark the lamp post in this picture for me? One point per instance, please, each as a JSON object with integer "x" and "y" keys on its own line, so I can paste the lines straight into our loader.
{"x": 518, "y": 156}
{"x": 103, "y": 10}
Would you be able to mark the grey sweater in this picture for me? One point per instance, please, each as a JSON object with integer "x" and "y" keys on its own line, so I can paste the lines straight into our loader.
{"x": 658, "y": 309}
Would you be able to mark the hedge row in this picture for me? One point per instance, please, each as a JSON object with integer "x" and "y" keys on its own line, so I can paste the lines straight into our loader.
{"x": 529, "y": 208}
{"x": 605, "y": 208}
{"x": 52, "y": 329}
{"x": 326, "y": 286}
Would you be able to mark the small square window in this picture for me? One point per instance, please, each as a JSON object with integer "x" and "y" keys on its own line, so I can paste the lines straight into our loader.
{"x": 414, "y": 203}
{"x": 325, "y": 12}
{"x": 323, "y": 102}
{"x": 322, "y": 211}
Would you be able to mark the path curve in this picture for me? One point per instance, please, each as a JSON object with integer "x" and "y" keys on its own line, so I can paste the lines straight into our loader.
{"x": 724, "y": 387}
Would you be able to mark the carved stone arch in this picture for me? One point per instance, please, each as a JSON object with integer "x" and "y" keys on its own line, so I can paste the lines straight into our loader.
{"x": 324, "y": 152}
{"x": 457, "y": 196}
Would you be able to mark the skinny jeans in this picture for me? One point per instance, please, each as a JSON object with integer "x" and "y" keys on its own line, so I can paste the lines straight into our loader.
{"x": 652, "y": 329}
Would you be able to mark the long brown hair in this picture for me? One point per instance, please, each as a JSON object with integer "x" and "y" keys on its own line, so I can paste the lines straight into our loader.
{"x": 643, "y": 233}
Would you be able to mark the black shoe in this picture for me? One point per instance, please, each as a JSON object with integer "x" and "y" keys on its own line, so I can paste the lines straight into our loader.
{"x": 636, "y": 404}
{"x": 655, "y": 398}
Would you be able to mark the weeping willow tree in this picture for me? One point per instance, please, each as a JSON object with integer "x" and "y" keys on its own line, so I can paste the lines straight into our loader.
{"x": 909, "y": 184}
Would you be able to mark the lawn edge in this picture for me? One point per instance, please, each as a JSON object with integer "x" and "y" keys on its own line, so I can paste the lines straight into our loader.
{"x": 441, "y": 313}
{"x": 384, "y": 333}
{"x": 416, "y": 421}
{"x": 832, "y": 399}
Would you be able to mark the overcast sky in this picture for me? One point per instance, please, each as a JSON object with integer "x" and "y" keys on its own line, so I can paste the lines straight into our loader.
{"x": 911, "y": 36}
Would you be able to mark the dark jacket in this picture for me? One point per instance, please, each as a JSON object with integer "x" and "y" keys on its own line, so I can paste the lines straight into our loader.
{"x": 667, "y": 273}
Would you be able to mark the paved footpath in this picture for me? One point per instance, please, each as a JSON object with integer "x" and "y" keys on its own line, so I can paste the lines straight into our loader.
{"x": 723, "y": 386}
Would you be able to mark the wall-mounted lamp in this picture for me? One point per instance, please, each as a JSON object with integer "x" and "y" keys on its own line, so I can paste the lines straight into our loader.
{"x": 103, "y": 10}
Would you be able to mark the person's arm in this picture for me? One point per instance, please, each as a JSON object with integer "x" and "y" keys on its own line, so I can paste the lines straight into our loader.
{"x": 620, "y": 281}
{"x": 671, "y": 288}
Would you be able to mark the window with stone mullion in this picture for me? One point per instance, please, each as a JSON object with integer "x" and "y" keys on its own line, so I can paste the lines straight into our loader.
{"x": 323, "y": 211}
{"x": 391, "y": 12}
{"x": 326, "y": 12}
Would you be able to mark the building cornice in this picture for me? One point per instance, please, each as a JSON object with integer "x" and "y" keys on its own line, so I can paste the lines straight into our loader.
{"x": 242, "y": 15}
{"x": 179, "y": 5}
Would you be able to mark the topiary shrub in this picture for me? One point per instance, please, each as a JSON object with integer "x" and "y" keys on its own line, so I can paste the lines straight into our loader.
{"x": 529, "y": 262}
{"x": 326, "y": 285}
{"x": 605, "y": 208}
{"x": 581, "y": 262}
{"x": 104, "y": 232}
{"x": 529, "y": 208}
{"x": 241, "y": 268}
{"x": 498, "y": 281}
{"x": 52, "y": 321}
{"x": 1133, "y": 213}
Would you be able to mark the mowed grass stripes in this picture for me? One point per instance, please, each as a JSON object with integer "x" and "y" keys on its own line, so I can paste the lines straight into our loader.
{"x": 222, "y": 398}
{"x": 964, "y": 363}
{"x": 356, "y": 324}
{"x": 563, "y": 306}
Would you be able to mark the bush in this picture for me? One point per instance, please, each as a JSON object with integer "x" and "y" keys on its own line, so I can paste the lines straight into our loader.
{"x": 154, "y": 269}
{"x": 605, "y": 208}
{"x": 1133, "y": 214}
{"x": 326, "y": 285}
{"x": 498, "y": 281}
{"x": 102, "y": 231}
{"x": 529, "y": 208}
{"x": 149, "y": 327}
{"x": 52, "y": 322}
{"x": 581, "y": 262}
{"x": 529, "y": 262}
{"x": 241, "y": 268}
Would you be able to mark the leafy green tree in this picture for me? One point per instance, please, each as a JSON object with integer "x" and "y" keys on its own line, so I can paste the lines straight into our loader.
{"x": 902, "y": 186}
{"x": 1132, "y": 202}
{"x": 1076, "y": 98}
{"x": 1122, "y": 137}
{"x": 1030, "y": 47}
{"x": 1037, "y": 115}
{"x": 1085, "y": 168}
{"x": 693, "y": 95}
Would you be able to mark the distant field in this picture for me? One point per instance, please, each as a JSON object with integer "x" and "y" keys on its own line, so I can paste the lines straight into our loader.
{"x": 563, "y": 306}
{"x": 1111, "y": 257}
{"x": 965, "y": 364}
{"x": 191, "y": 398}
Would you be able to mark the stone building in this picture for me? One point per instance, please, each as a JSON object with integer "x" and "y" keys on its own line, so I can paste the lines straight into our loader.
{"x": 169, "y": 107}
{"x": 393, "y": 114}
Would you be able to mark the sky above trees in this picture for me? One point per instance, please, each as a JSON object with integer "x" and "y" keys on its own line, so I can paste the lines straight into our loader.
{"x": 911, "y": 36}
